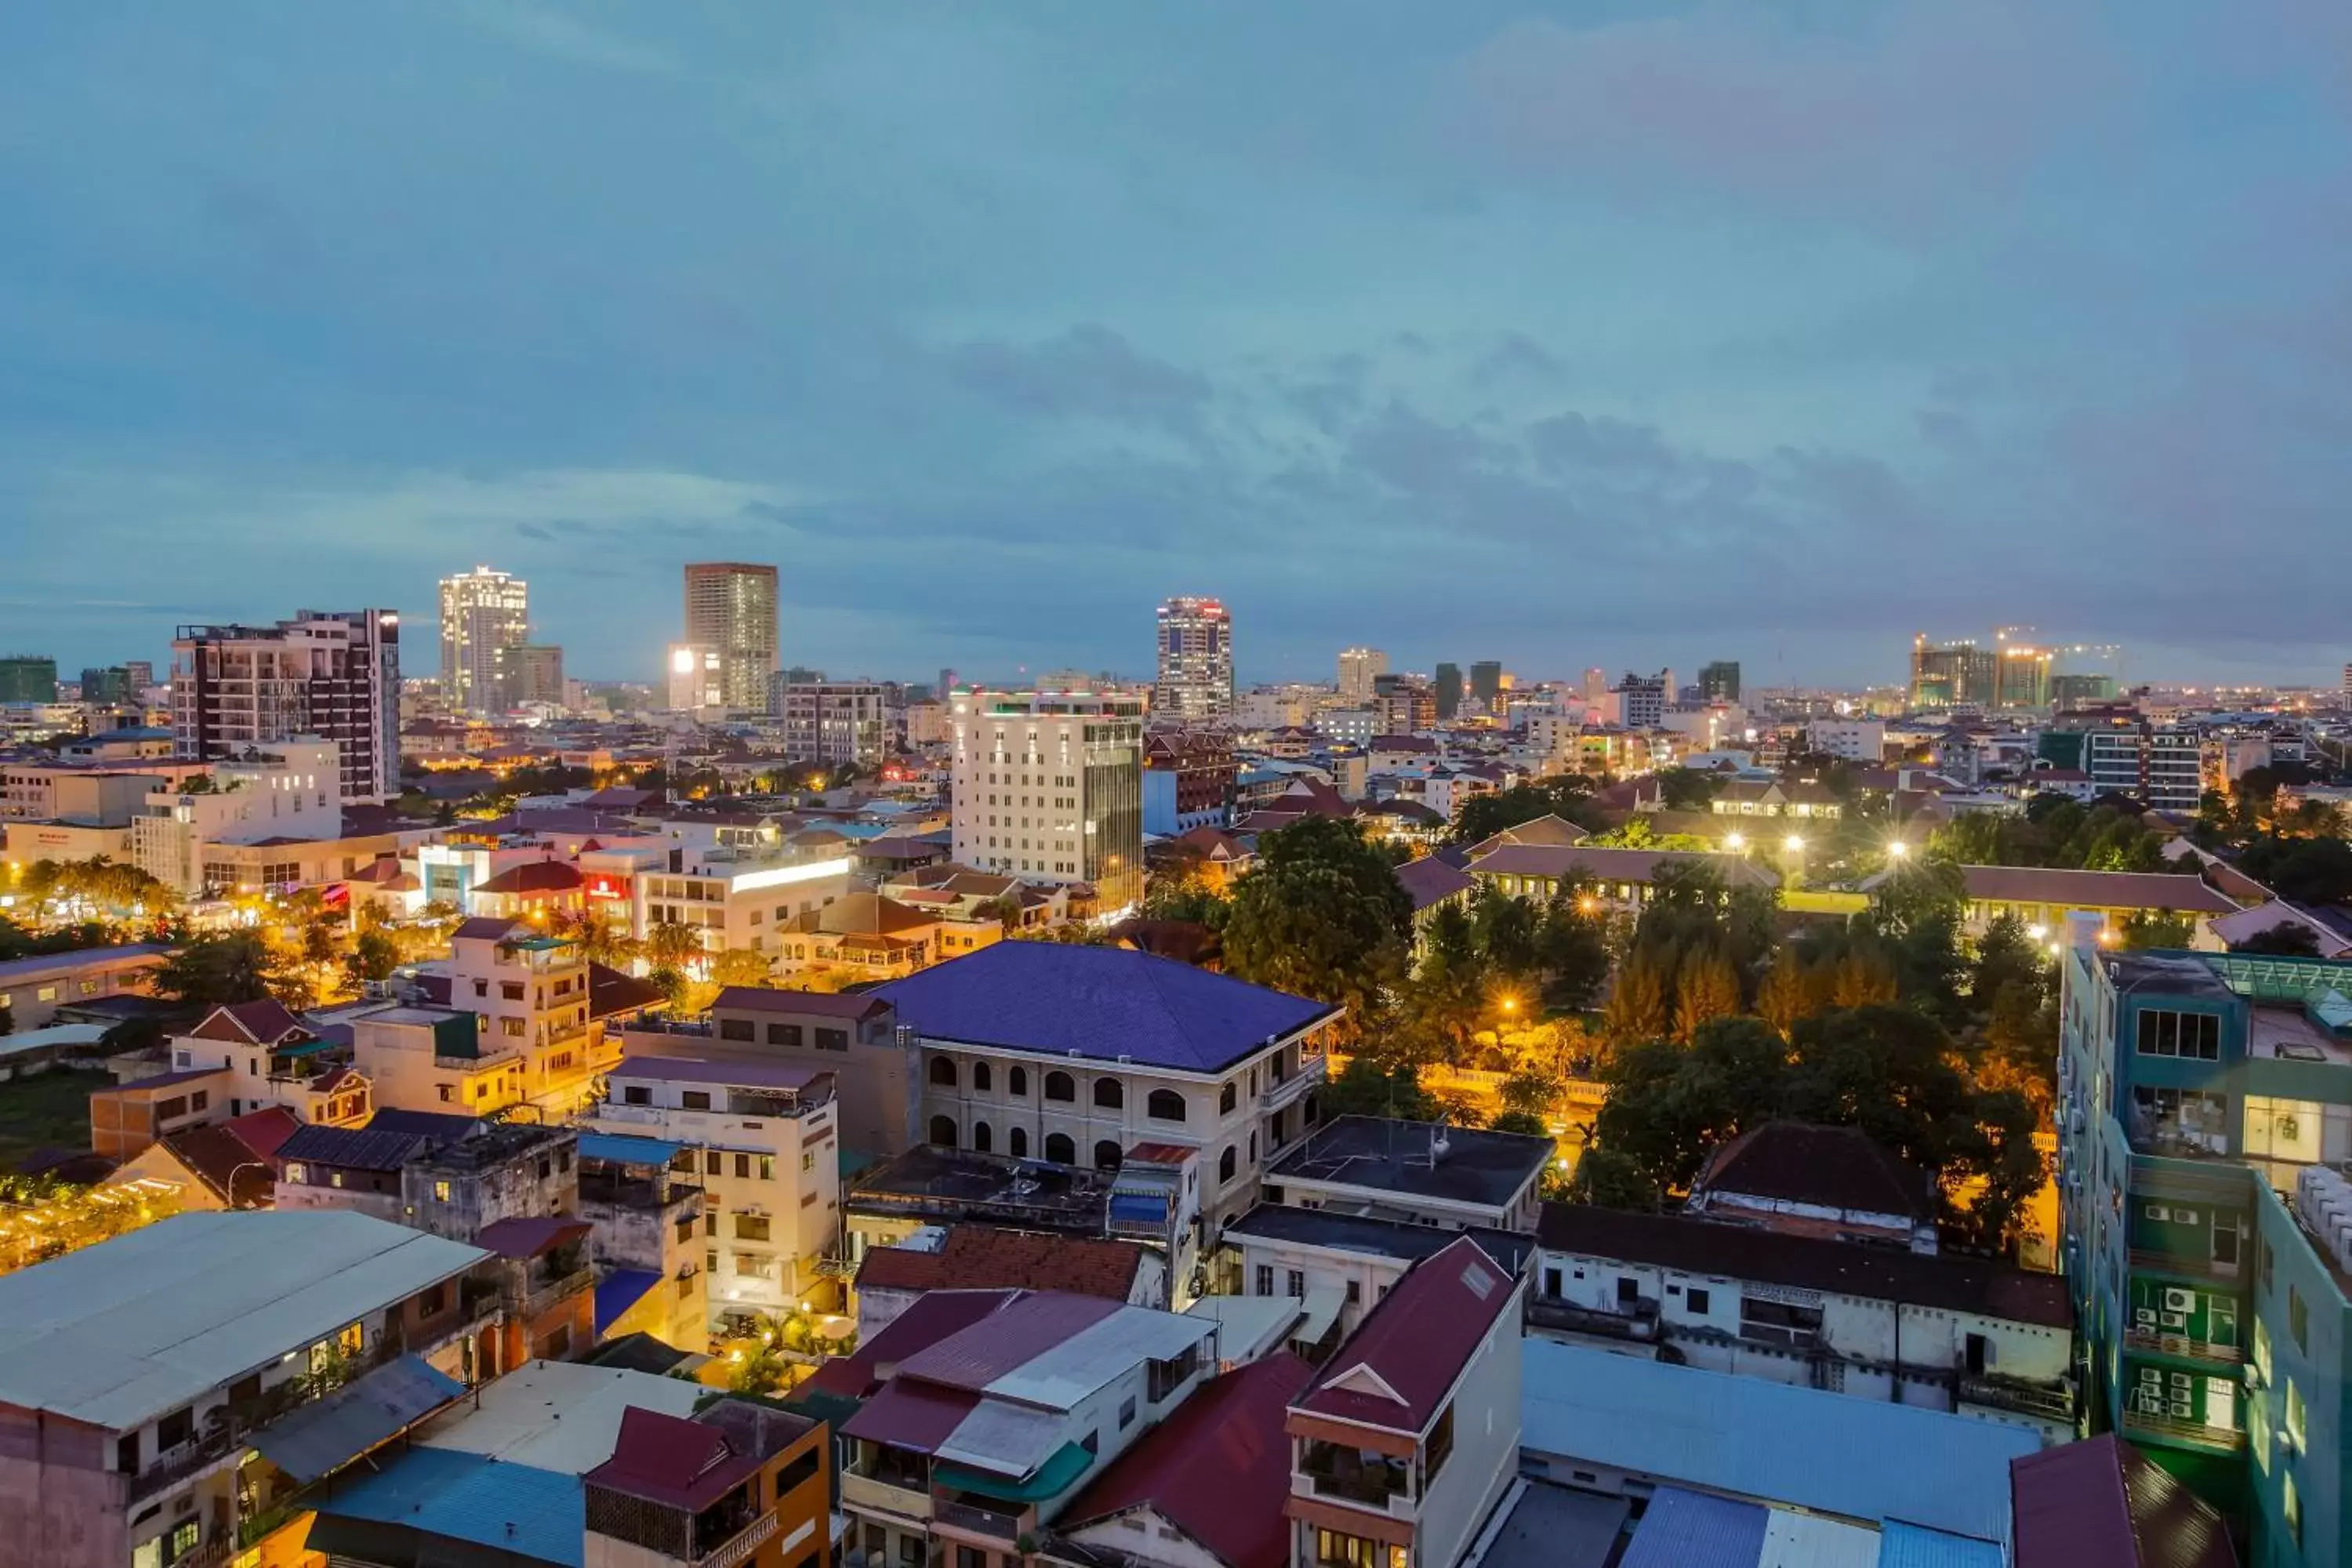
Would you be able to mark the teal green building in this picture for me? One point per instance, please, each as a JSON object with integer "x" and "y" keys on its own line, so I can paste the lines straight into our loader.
{"x": 2205, "y": 1114}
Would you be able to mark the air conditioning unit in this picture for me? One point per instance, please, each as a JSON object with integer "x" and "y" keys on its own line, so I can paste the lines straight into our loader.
{"x": 2176, "y": 1320}
{"x": 2144, "y": 1317}
{"x": 2182, "y": 1380}
{"x": 2179, "y": 1300}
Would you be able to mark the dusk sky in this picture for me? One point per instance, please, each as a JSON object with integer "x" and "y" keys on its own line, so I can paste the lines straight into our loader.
{"x": 1614, "y": 333}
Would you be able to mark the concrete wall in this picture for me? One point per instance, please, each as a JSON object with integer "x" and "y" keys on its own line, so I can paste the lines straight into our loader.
{"x": 1485, "y": 1445}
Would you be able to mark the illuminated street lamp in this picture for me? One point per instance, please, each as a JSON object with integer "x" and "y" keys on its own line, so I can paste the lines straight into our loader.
{"x": 1734, "y": 842}
{"x": 2037, "y": 933}
{"x": 1793, "y": 843}
{"x": 1896, "y": 850}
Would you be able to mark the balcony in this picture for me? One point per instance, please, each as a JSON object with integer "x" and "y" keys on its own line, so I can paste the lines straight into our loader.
{"x": 545, "y": 1298}
{"x": 2171, "y": 1429}
{"x": 739, "y": 1547}
{"x": 994, "y": 1524}
{"x": 183, "y": 1461}
{"x": 888, "y": 1492}
{"x": 2182, "y": 1346}
{"x": 2180, "y": 1266}
{"x": 2053, "y": 1403}
{"x": 1313, "y": 1071}
{"x": 1551, "y": 1312}
{"x": 1345, "y": 1475}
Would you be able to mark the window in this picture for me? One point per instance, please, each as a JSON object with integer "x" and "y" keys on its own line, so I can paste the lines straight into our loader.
{"x": 832, "y": 1039}
{"x": 2294, "y": 1414}
{"x": 2298, "y": 1319}
{"x": 1226, "y": 1162}
{"x": 1127, "y": 1413}
{"x": 943, "y": 1071}
{"x": 1778, "y": 1322}
{"x": 784, "y": 1035}
{"x": 334, "y": 1178}
{"x": 1164, "y": 1105}
{"x": 1016, "y": 1081}
{"x": 1108, "y": 1154}
{"x": 735, "y": 1028}
{"x": 297, "y": 1172}
{"x": 510, "y": 989}
{"x": 431, "y": 1299}
{"x": 982, "y": 1080}
{"x": 1227, "y": 1099}
{"x": 943, "y": 1132}
{"x": 1060, "y": 1148}
{"x": 1265, "y": 1279}
{"x": 1061, "y": 1085}
{"x": 2261, "y": 1349}
{"x": 695, "y": 1099}
{"x": 1295, "y": 1279}
{"x": 185, "y": 1537}
{"x": 713, "y": 1163}
{"x": 636, "y": 1094}
{"x": 742, "y": 1167}
{"x": 511, "y": 1027}
{"x": 751, "y": 1227}
{"x": 1109, "y": 1094}
{"x": 174, "y": 1429}
{"x": 2170, "y": 1034}
{"x": 2180, "y": 1118}
{"x": 1016, "y": 1143}
{"x": 1628, "y": 1291}
{"x": 440, "y": 1192}
{"x": 1697, "y": 1300}
{"x": 199, "y": 1100}
{"x": 2291, "y": 1508}
{"x": 983, "y": 1140}
{"x": 126, "y": 1453}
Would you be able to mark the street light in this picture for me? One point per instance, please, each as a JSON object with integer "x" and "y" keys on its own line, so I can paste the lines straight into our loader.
{"x": 1734, "y": 842}
{"x": 1794, "y": 843}
{"x": 1896, "y": 850}
{"x": 2037, "y": 933}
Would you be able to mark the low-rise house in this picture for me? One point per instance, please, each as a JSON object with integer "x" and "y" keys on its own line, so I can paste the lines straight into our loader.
{"x": 2042, "y": 897}
{"x": 139, "y": 1377}
{"x": 866, "y": 937}
{"x": 1622, "y": 878}
{"x": 1425, "y": 1172}
{"x": 1409, "y": 1435}
{"x": 1339, "y": 1265}
{"x": 126, "y": 1119}
{"x": 1803, "y": 1179}
{"x": 495, "y": 1171}
{"x": 983, "y": 1435}
{"x": 548, "y": 1282}
{"x": 276, "y": 1060}
{"x": 420, "y": 1056}
{"x": 231, "y": 1165}
{"x": 643, "y": 1200}
{"x": 353, "y": 1168}
{"x": 1797, "y": 799}
{"x": 1432, "y": 884}
{"x": 990, "y": 1257}
{"x": 33, "y": 989}
{"x": 735, "y": 1483}
{"x": 1942, "y": 1333}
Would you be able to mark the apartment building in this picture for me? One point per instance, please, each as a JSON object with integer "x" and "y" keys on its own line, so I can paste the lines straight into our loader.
{"x": 531, "y": 992}
{"x": 262, "y": 796}
{"x": 766, "y": 1137}
{"x": 274, "y": 1059}
{"x": 2205, "y": 1104}
{"x": 981, "y": 1418}
{"x": 1943, "y": 1332}
{"x": 1048, "y": 785}
{"x": 850, "y": 1035}
{"x": 484, "y": 616}
{"x": 730, "y": 611}
{"x": 735, "y": 1484}
{"x": 144, "y": 1380}
{"x": 332, "y": 674}
{"x": 1078, "y": 1055}
{"x": 1196, "y": 660}
{"x": 2164, "y": 767}
{"x": 1423, "y": 1172}
{"x": 837, "y": 723}
{"x": 417, "y": 1057}
{"x": 740, "y": 897}
{"x": 1408, "y": 1436}
{"x": 1337, "y": 1265}
{"x": 643, "y": 1199}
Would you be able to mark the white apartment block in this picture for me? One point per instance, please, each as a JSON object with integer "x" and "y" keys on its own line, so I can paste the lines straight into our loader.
{"x": 1049, "y": 786}
{"x": 739, "y": 896}
{"x": 764, "y": 1137}
{"x": 841, "y": 723}
{"x": 287, "y": 790}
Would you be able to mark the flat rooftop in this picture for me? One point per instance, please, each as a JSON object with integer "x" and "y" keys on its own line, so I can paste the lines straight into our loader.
{"x": 1402, "y": 1239}
{"x": 2171, "y": 973}
{"x": 926, "y": 1177}
{"x": 118, "y": 1333}
{"x": 1548, "y": 1526}
{"x": 1372, "y": 1153}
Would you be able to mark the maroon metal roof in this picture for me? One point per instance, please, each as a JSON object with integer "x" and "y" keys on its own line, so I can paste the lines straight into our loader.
{"x": 1218, "y": 1468}
{"x": 522, "y": 1237}
{"x": 2101, "y": 1502}
{"x": 262, "y": 1023}
{"x": 1416, "y": 1342}
{"x": 772, "y": 999}
{"x": 534, "y": 877}
{"x": 911, "y": 1415}
{"x": 1008, "y": 1339}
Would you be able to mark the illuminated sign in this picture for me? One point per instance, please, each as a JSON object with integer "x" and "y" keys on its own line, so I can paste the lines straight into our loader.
{"x": 786, "y": 875}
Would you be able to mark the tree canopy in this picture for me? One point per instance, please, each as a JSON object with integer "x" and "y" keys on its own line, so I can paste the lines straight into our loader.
{"x": 1321, "y": 915}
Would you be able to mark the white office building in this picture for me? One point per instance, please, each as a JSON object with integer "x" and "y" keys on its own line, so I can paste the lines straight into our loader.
{"x": 1049, "y": 786}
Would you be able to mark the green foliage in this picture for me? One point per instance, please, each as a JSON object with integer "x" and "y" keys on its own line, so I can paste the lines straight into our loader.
{"x": 1613, "y": 1181}
{"x": 110, "y": 889}
{"x": 1683, "y": 789}
{"x": 672, "y": 944}
{"x": 1321, "y": 915}
{"x": 739, "y": 966}
{"x": 2153, "y": 929}
{"x": 1638, "y": 832}
{"x": 1565, "y": 795}
{"x": 2290, "y": 939}
{"x": 373, "y": 956}
{"x": 2305, "y": 871}
{"x": 217, "y": 971}
{"x": 2055, "y": 832}
{"x": 1367, "y": 1087}
{"x": 1525, "y": 1121}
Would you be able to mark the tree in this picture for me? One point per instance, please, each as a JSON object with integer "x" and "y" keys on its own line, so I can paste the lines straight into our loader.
{"x": 1567, "y": 796}
{"x": 2007, "y": 955}
{"x": 671, "y": 944}
{"x": 2288, "y": 939}
{"x": 1366, "y": 1087}
{"x": 1613, "y": 1181}
{"x": 1706, "y": 988}
{"x": 597, "y": 940}
{"x": 1789, "y": 990}
{"x": 221, "y": 970}
{"x": 1686, "y": 789}
{"x": 1637, "y": 1008}
{"x": 372, "y": 957}
{"x": 739, "y": 966}
{"x": 1321, "y": 915}
{"x": 2304, "y": 870}
{"x": 1525, "y": 1122}
{"x": 2157, "y": 928}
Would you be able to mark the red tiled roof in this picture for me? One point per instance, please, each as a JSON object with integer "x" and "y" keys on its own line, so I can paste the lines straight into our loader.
{"x": 534, "y": 877}
{"x": 984, "y": 1257}
{"x": 224, "y": 1162}
{"x": 1395, "y": 1369}
{"x": 262, "y": 1023}
{"x": 1429, "y": 880}
{"x": 263, "y": 1131}
{"x": 335, "y": 1079}
{"x": 2100, "y": 1502}
{"x": 2092, "y": 890}
{"x": 1218, "y": 1468}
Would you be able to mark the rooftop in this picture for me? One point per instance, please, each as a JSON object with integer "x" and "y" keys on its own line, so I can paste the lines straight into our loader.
{"x": 987, "y": 1257}
{"x": 1548, "y": 1526}
{"x": 1828, "y": 1167}
{"x": 1381, "y": 1238}
{"x": 118, "y": 1333}
{"x": 1429, "y": 880}
{"x": 1566, "y": 863}
{"x": 747, "y": 1074}
{"x": 2092, "y": 890}
{"x": 2103, "y": 1501}
{"x": 20, "y": 971}
{"x": 691, "y": 1464}
{"x": 1424, "y": 1160}
{"x": 822, "y": 1003}
{"x": 948, "y": 1183}
{"x": 1396, "y": 1369}
{"x": 1105, "y": 1004}
{"x": 1756, "y": 1438}
{"x": 1808, "y": 1263}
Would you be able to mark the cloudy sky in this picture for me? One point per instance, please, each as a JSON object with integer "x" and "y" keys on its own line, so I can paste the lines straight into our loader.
{"x": 1613, "y": 333}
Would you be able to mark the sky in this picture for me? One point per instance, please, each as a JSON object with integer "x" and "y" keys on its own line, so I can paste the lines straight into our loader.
{"x": 1607, "y": 333}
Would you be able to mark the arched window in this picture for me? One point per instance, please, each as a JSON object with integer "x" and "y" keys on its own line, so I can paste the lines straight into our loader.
{"x": 1226, "y": 1102}
{"x": 1226, "y": 1162}
{"x": 943, "y": 1072}
{"x": 943, "y": 1132}
{"x": 1060, "y": 1149}
{"x": 1107, "y": 1154}
{"x": 1060, "y": 1086}
{"x": 982, "y": 1080}
{"x": 1109, "y": 1094}
{"x": 1016, "y": 1143}
{"x": 1164, "y": 1105}
{"x": 982, "y": 1138}
{"x": 1017, "y": 1082}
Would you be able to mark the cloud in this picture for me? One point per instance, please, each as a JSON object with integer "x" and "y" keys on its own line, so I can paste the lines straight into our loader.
{"x": 1088, "y": 371}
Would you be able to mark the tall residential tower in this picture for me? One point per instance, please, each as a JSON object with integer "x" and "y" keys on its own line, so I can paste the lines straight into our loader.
{"x": 1196, "y": 660}
{"x": 1049, "y": 786}
{"x": 730, "y": 610}
{"x": 483, "y": 615}
{"x": 1359, "y": 668}
{"x": 335, "y": 674}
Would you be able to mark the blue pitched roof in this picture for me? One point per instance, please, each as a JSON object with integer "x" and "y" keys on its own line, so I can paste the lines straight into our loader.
{"x": 618, "y": 1291}
{"x": 1685, "y": 1529}
{"x": 467, "y": 1497}
{"x": 1903, "y": 1545}
{"x": 1102, "y": 1003}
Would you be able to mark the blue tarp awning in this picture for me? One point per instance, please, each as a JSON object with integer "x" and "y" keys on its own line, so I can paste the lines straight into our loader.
{"x": 626, "y": 1149}
{"x": 618, "y": 1291}
{"x": 368, "y": 1411}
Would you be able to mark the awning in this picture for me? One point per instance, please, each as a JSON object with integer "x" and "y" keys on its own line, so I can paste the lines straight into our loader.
{"x": 619, "y": 1290}
{"x": 369, "y": 1411}
{"x": 1322, "y": 1308}
{"x": 1052, "y": 1478}
{"x": 626, "y": 1149}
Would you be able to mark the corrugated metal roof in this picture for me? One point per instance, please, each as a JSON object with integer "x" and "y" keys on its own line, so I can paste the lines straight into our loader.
{"x": 1806, "y": 1541}
{"x": 467, "y": 1496}
{"x": 910, "y": 1415}
{"x": 1684, "y": 1530}
{"x": 118, "y": 1333}
{"x": 556, "y": 1415}
{"x": 620, "y": 1290}
{"x": 976, "y": 1357}
{"x": 368, "y": 1411}
{"x": 626, "y": 1149}
{"x": 1003, "y": 1438}
{"x": 1063, "y": 1375}
{"x": 1749, "y": 1436}
{"x": 1902, "y": 1545}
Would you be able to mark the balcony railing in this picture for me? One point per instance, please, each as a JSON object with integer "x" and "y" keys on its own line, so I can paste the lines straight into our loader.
{"x": 2047, "y": 1402}
{"x": 2181, "y": 1264}
{"x": 739, "y": 1546}
{"x": 2173, "y": 1429}
{"x": 885, "y": 1494}
{"x": 1549, "y": 1312}
{"x": 546, "y": 1296}
{"x": 1374, "y": 1487}
{"x": 2183, "y": 1345}
{"x": 1312, "y": 1072}
{"x": 182, "y": 1460}
{"x": 996, "y": 1524}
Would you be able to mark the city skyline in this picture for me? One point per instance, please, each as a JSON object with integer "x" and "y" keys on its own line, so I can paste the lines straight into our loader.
{"x": 1198, "y": 303}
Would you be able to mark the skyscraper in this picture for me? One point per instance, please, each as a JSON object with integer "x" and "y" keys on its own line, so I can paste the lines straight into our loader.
{"x": 532, "y": 672}
{"x": 30, "y": 678}
{"x": 1449, "y": 690}
{"x": 483, "y": 613}
{"x": 1719, "y": 682}
{"x": 332, "y": 674}
{"x": 730, "y": 607}
{"x": 1949, "y": 675}
{"x": 1487, "y": 687}
{"x": 1196, "y": 660}
{"x": 1359, "y": 668}
{"x": 1049, "y": 786}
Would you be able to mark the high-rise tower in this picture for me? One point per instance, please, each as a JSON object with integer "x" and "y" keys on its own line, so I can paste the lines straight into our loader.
{"x": 1196, "y": 660}
{"x": 731, "y": 608}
